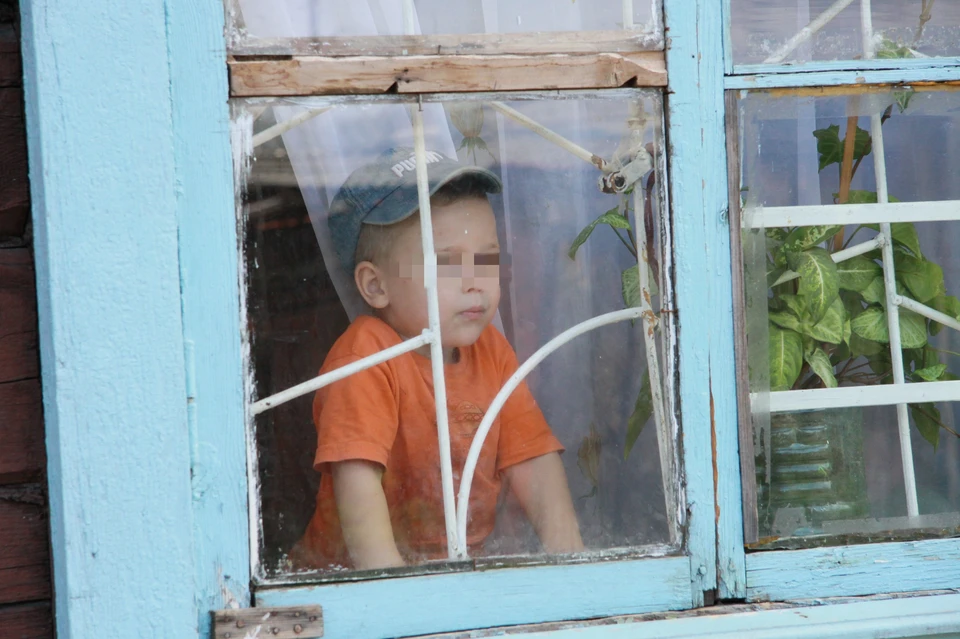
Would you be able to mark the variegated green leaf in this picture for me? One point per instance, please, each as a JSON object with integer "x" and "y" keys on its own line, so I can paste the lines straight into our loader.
{"x": 875, "y": 293}
{"x": 857, "y": 273}
{"x": 819, "y": 362}
{"x": 872, "y": 325}
{"x": 805, "y": 237}
{"x": 786, "y": 358}
{"x": 830, "y": 328}
{"x": 913, "y": 330}
{"x": 930, "y": 373}
{"x": 785, "y": 320}
{"x": 923, "y": 279}
{"x": 818, "y": 280}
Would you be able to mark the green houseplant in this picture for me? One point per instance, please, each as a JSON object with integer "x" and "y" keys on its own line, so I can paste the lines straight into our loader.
{"x": 828, "y": 327}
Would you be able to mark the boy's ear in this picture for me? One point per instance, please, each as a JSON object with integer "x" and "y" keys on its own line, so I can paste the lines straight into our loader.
{"x": 371, "y": 284}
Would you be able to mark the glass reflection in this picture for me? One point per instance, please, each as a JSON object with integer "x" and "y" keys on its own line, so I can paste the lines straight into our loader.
{"x": 330, "y": 18}
{"x": 772, "y": 32}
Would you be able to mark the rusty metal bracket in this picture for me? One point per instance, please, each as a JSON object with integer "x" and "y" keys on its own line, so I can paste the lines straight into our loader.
{"x": 304, "y": 622}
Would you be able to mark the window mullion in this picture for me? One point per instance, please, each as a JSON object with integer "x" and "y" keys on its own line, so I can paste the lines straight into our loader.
{"x": 433, "y": 327}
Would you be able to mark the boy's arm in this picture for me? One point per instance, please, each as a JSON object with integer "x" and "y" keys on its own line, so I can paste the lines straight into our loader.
{"x": 540, "y": 485}
{"x": 364, "y": 516}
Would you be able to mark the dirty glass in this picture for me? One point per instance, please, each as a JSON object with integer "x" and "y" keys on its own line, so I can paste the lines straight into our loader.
{"x": 255, "y": 20}
{"x": 832, "y": 471}
{"x": 798, "y": 31}
{"x": 558, "y": 238}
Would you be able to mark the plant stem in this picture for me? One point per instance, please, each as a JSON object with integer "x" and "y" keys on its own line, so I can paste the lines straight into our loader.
{"x": 852, "y": 235}
{"x": 633, "y": 252}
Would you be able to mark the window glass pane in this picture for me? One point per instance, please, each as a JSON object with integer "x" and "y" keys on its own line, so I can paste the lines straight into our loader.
{"x": 512, "y": 207}
{"x": 846, "y": 464}
{"x": 770, "y": 32}
{"x": 260, "y": 19}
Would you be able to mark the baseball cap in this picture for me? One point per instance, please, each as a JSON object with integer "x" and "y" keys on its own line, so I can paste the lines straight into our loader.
{"x": 384, "y": 192}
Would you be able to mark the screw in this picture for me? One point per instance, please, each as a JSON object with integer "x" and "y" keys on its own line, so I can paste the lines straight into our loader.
{"x": 227, "y": 635}
{"x": 298, "y": 629}
{"x": 296, "y": 614}
{"x": 313, "y": 618}
{"x": 275, "y": 631}
{"x": 240, "y": 623}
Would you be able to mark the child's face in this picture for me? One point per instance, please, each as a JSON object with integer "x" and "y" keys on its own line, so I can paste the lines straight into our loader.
{"x": 468, "y": 284}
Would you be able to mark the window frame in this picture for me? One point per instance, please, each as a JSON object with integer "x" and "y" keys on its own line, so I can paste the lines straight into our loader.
{"x": 697, "y": 568}
{"x": 832, "y": 571}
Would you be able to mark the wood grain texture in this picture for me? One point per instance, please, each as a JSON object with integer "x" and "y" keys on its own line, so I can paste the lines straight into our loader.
{"x": 314, "y": 75}
{"x": 18, "y": 317}
{"x": 24, "y": 554}
{"x": 14, "y": 186}
{"x": 454, "y": 44}
{"x": 748, "y": 490}
{"x": 846, "y": 571}
{"x": 21, "y": 431}
{"x": 27, "y": 621}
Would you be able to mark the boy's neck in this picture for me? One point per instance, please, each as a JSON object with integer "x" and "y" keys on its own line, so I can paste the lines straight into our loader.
{"x": 450, "y": 355}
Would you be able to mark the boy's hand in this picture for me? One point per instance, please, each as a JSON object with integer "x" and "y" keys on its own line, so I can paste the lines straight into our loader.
{"x": 540, "y": 485}
{"x": 364, "y": 516}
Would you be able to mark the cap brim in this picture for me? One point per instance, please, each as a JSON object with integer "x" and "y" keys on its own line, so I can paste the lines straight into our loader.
{"x": 405, "y": 200}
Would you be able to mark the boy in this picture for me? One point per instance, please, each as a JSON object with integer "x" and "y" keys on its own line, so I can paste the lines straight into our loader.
{"x": 380, "y": 502}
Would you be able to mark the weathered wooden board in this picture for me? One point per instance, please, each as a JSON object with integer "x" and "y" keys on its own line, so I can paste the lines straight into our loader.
{"x": 539, "y": 43}
{"x": 21, "y": 432}
{"x": 18, "y": 316}
{"x": 14, "y": 187}
{"x": 10, "y": 73}
{"x": 315, "y": 75}
{"x": 24, "y": 554}
{"x": 27, "y": 621}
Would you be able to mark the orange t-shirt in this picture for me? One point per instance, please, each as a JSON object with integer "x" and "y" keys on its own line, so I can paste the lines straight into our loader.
{"x": 386, "y": 414}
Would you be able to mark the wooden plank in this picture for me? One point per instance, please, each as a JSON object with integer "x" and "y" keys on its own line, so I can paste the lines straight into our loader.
{"x": 21, "y": 431}
{"x": 27, "y": 621}
{"x": 10, "y": 69}
{"x": 315, "y": 75}
{"x": 455, "y": 44}
{"x": 848, "y": 571}
{"x": 14, "y": 186}
{"x": 748, "y": 484}
{"x": 411, "y": 606}
{"x": 24, "y": 554}
{"x": 18, "y": 316}
{"x": 282, "y": 623}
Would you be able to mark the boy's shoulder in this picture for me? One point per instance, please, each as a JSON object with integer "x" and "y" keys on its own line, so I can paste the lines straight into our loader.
{"x": 366, "y": 335}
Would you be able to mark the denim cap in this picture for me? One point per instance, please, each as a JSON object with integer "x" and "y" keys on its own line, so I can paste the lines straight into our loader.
{"x": 384, "y": 192}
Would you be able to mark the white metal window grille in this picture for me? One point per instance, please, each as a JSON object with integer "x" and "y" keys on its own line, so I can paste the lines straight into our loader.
{"x": 614, "y": 172}
{"x": 883, "y": 213}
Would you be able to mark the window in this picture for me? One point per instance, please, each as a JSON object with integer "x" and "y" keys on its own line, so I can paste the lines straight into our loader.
{"x": 879, "y": 454}
{"x": 795, "y": 33}
{"x": 568, "y": 254}
{"x": 571, "y": 127}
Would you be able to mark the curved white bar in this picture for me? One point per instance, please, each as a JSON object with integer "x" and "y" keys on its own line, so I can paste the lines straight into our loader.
{"x": 337, "y": 374}
{"x": 470, "y": 467}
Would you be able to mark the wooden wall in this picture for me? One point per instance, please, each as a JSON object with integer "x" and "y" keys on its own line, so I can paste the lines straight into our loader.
{"x": 25, "y": 590}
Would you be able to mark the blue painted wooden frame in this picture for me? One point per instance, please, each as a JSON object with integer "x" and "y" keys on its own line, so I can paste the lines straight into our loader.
{"x": 507, "y": 596}
{"x": 103, "y": 169}
{"x": 698, "y": 192}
